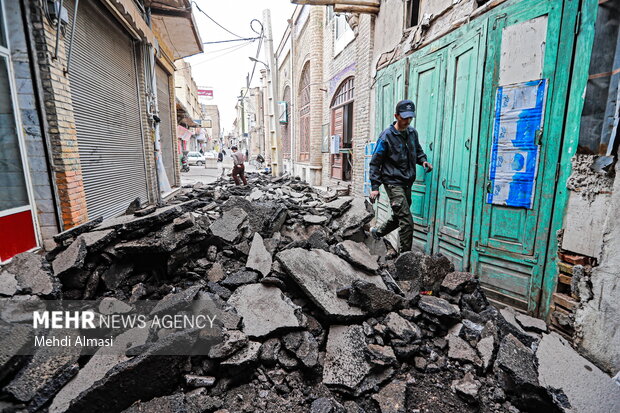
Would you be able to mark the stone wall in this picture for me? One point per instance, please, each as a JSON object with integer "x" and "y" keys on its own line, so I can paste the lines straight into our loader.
{"x": 36, "y": 152}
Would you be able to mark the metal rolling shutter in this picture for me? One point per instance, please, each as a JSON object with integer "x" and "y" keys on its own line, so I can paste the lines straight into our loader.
{"x": 107, "y": 112}
{"x": 165, "y": 126}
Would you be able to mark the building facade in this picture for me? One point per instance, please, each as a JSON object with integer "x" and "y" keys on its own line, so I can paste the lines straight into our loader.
{"x": 81, "y": 83}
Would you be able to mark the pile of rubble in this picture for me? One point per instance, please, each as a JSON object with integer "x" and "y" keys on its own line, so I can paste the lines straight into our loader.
{"x": 315, "y": 316}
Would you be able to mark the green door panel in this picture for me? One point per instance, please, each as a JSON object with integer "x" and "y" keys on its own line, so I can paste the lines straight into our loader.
{"x": 456, "y": 162}
{"x": 510, "y": 242}
{"x": 426, "y": 81}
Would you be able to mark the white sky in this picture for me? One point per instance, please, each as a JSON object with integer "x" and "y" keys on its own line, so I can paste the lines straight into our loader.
{"x": 225, "y": 66}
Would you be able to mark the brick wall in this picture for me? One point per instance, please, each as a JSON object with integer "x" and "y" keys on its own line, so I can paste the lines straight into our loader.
{"x": 355, "y": 60}
{"x": 59, "y": 116}
{"x": 38, "y": 167}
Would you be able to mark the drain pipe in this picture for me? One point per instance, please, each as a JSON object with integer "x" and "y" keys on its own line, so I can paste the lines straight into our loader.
{"x": 77, "y": 3}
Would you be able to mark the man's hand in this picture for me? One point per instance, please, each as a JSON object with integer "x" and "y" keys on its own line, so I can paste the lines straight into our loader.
{"x": 427, "y": 166}
{"x": 374, "y": 195}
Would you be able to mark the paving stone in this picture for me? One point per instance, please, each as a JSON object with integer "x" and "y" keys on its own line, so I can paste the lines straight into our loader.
{"x": 391, "y": 398}
{"x": 70, "y": 259}
{"x": 259, "y": 259}
{"x": 216, "y": 273}
{"x": 467, "y": 388}
{"x": 426, "y": 272}
{"x": 457, "y": 281}
{"x": 234, "y": 340}
{"x": 458, "y": 349}
{"x": 304, "y": 345}
{"x": 438, "y": 307}
{"x": 321, "y": 274}
{"x": 228, "y": 226}
{"x": 401, "y": 328}
{"x": 531, "y": 324}
{"x": 485, "y": 347}
{"x": 264, "y": 310}
{"x": 27, "y": 273}
{"x": 96, "y": 368}
{"x": 345, "y": 365}
{"x": 244, "y": 357}
{"x": 561, "y": 370}
{"x": 239, "y": 278}
{"x": 357, "y": 215}
{"x": 48, "y": 371}
{"x": 373, "y": 299}
{"x": 315, "y": 219}
{"x": 358, "y": 255}
{"x": 517, "y": 361}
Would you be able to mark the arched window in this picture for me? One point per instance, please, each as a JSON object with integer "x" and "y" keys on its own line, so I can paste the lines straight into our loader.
{"x": 304, "y": 114}
{"x": 286, "y": 130}
{"x": 342, "y": 129}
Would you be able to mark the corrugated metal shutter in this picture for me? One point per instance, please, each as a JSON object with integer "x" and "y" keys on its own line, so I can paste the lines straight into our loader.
{"x": 167, "y": 137}
{"x": 107, "y": 112}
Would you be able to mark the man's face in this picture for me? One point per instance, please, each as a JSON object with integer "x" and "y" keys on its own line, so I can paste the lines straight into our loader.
{"x": 403, "y": 123}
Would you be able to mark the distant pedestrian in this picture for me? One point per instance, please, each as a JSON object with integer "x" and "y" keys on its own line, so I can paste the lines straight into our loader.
{"x": 220, "y": 164}
{"x": 238, "y": 172}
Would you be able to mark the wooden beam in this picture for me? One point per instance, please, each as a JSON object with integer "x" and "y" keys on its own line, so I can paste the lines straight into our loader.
{"x": 355, "y": 9}
{"x": 371, "y": 3}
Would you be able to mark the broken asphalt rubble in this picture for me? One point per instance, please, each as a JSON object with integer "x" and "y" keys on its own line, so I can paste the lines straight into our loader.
{"x": 313, "y": 317}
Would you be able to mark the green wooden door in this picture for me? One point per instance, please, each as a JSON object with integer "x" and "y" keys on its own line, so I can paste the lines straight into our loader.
{"x": 510, "y": 242}
{"x": 455, "y": 169}
{"x": 426, "y": 82}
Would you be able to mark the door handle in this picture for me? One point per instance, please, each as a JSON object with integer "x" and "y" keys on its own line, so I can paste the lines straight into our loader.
{"x": 443, "y": 183}
{"x": 467, "y": 144}
{"x": 489, "y": 187}
{"x": 430, "y": 146}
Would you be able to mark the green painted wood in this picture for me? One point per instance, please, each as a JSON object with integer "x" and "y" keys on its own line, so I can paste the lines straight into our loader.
{"x": 511, "y": 243}
{"x": 453, "y": 217}
{"x": 578, "y": 81}
{"x": 426, "y": 85}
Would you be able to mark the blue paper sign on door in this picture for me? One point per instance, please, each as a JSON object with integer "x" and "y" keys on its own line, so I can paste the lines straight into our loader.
{"x": 517, "y": 130}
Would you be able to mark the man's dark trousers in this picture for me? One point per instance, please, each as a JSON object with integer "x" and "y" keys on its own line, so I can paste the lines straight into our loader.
{"x": 239, "y": 172}
{"x": 400, "y": 201}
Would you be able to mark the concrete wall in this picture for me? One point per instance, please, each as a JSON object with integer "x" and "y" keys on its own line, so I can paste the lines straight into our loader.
{"x": 598, "y": 318}
{"x": 31, "y": 126}
{"x": 186, "y": 90}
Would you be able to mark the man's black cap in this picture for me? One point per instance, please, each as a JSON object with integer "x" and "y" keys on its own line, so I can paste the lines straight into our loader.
{"x": 405, "y": 108}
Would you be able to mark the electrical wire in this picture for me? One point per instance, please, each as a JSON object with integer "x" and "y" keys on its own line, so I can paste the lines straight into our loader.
{"x": 211, "y": 18}
{"x": 232, "y": 40}
{"x": 228, "y": 51}
{"x": 260, "y": 42}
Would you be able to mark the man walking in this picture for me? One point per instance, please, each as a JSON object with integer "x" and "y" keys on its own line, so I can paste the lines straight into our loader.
{"x": 393, "y": 164}
{"x": 238, "y": 167}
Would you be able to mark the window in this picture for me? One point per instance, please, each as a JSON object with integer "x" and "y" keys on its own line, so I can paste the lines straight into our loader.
{"x": 597, "y": 135}
{"x": 342, "y": 125}
{"x": 304, "y": 114}
{"x": 412, "y": 13}
{"x": 343, "y": 35}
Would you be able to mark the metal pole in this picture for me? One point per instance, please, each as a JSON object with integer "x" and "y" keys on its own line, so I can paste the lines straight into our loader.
{"x": 58, "y": 16}
{"x": 77, "y": 3}
{"x": 273, "y": 69}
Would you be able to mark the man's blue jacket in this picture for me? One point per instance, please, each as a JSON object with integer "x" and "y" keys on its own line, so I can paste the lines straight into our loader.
{"x": 395, "y": 157}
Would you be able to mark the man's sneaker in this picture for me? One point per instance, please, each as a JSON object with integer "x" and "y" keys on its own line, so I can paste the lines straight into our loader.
{"x": 374, "y": 232}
